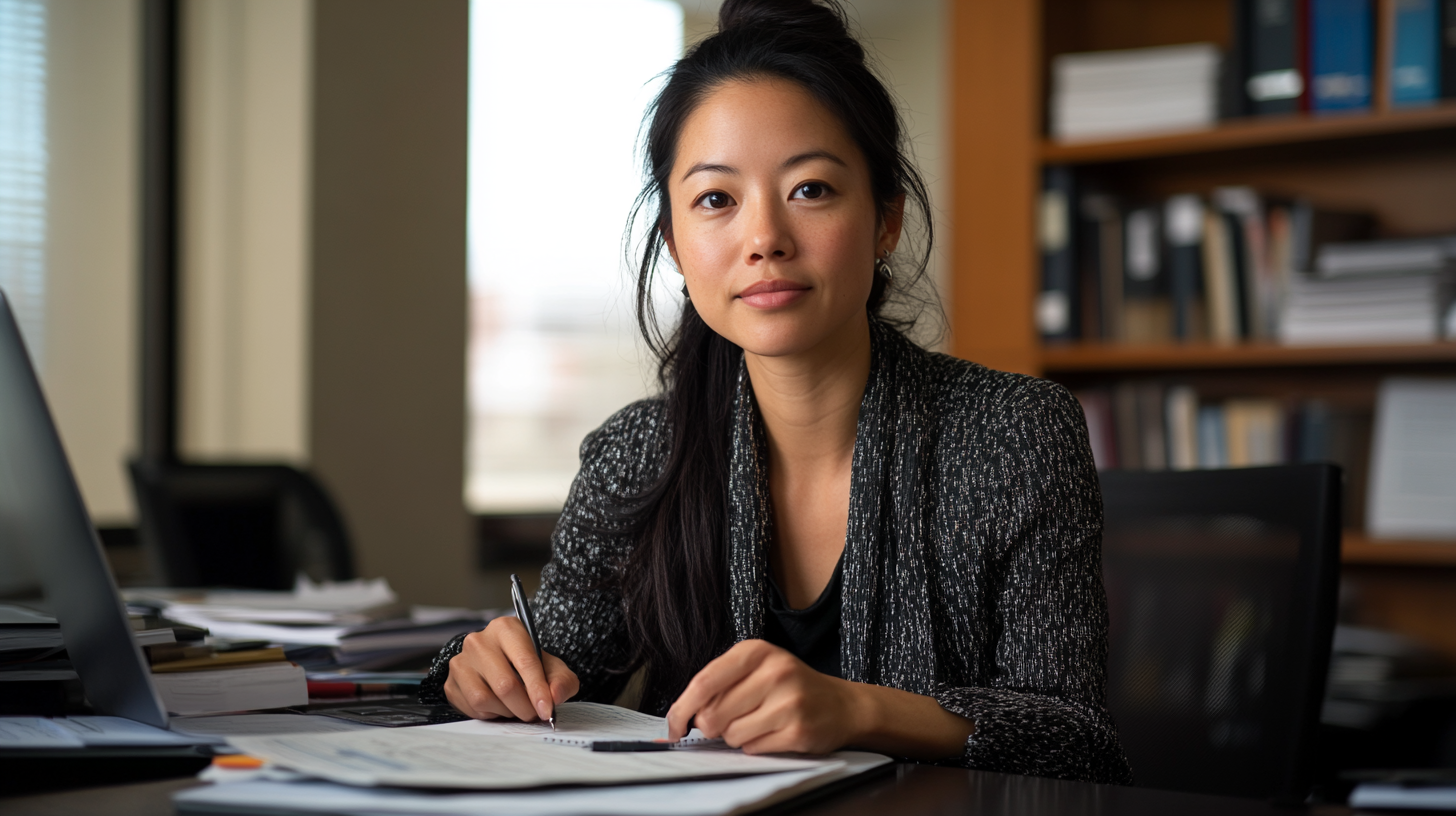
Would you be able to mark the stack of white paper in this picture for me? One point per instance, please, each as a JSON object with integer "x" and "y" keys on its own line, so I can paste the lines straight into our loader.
{"x": 1142, "y": 91}
{"x": 1352, "y": 310}
{"x": 1413, "y": 460}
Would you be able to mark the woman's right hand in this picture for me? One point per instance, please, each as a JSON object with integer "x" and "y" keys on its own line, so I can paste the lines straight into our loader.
{"x": 497, "y": 674}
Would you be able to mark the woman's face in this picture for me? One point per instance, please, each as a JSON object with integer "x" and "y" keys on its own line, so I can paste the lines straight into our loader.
{"x": 774, "y": 224}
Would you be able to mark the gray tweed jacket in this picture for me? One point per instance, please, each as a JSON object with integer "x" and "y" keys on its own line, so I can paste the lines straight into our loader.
{"x": 971, "y": 569}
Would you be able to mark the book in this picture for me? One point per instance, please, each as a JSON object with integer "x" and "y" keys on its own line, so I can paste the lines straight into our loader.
{"x": 1385, "y": 257}
{"x": 1254, "y": 431}
{"x": 1101, "y": 427}
{"x": 1147, "y": 313}
{"x": 1413, "y": 460}
{"x": 1182, "y": 424}
{"x": 1415, "y": 52}
{"x": 1057, "y": 308}
{"x": 1255, "y": 285}
{"x": 244, "y": 688}
{"x": 1341, "y": 45}
{"x": 1103, "y": 257}
{"x": 1380, "y": 309}
{"x": 1275, "y": 80}
{"x": 1447, "y": 45}
{"x": 1126, "y": 425}
{"x": 1152, "y": 428}
{"x": 218, "y": 660}
{"x": 1183, "y": 218}
{"x": 1212, "y": 437}
{"x": 1219, "y": 279}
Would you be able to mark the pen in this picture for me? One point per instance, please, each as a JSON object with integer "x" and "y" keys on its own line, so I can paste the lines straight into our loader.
{"x": 523, "y": 611}
{"x": 623, "y": 746}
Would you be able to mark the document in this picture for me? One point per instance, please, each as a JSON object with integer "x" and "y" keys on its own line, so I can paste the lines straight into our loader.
{"x": 216, "y": 729}
{"x": 717, "y": 797}
{"x": 579, "y": 724}
{"x": 84, "y": 732}
{"x": 426, "y": 757}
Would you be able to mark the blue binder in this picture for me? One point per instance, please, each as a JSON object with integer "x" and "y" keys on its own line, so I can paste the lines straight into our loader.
{"x": 1341, "y": 46}
{"x": 1415, "y": 65}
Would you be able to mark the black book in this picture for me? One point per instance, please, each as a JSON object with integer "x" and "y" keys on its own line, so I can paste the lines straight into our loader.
{"x": 1447, "y": 57}
{"x": 1233, "y": 71}
{"x": 1276, "y": 79}
{"x": 1057, "y": 308}
{"x": 1147, "y": 308}
{"x": 1183, "y": 226}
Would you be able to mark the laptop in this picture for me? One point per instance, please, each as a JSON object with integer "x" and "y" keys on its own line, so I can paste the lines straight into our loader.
{"x": 42, "y": 513}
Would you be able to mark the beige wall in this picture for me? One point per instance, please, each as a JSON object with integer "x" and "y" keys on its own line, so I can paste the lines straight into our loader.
{"x": 388, "y": 312}
{"x": 90, "y": 372}
{"x": 244, "y": 280}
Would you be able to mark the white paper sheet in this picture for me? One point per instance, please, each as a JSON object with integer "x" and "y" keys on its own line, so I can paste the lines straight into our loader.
{"x": 577, "y": 724}
{"x": 717, "y": 797}
{"x": 85, "y": 731}
{"x": 429, "y": 758}
{"x": 216, "y": 729}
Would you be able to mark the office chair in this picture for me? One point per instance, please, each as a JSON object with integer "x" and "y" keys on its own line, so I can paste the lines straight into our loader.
{"x": 242, "y": 526}
{"x": 1221, "y": 586}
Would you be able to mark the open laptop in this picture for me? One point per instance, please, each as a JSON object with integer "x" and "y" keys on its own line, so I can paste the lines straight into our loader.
{"x": 41, "y": 511}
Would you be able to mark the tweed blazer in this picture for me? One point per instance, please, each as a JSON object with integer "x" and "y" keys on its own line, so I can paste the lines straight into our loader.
{"x": 971, "y": 567}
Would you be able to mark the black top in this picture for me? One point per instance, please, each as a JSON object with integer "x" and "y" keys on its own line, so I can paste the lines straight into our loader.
{"x": 811, "y": 633}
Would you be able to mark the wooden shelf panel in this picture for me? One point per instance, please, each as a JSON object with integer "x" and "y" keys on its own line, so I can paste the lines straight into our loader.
{"x": 1094, "y": 357}
{"x": 1357, "y": 548}
{"x": 1239, "y": 134}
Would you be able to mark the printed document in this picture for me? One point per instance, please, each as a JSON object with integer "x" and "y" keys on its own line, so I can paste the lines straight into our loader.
{"x": 428, "y": 757}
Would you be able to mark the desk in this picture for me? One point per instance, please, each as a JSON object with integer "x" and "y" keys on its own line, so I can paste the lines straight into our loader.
{"x": 911, "y": 790}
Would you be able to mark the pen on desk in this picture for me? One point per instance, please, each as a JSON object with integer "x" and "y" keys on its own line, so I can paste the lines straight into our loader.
{"x": 624, "y": 746}
{"x": 523, "y": 611}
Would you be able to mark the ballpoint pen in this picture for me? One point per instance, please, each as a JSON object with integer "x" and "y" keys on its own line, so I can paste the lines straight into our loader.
{"x": 523, "y": 611}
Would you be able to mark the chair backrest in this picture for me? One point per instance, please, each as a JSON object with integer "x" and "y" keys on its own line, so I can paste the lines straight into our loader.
{"x": 234, "y": 525}
{"x": 1221, "y": 585}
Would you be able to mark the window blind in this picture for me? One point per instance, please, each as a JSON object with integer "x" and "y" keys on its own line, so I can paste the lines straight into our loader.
{"x": 23, "y": 165}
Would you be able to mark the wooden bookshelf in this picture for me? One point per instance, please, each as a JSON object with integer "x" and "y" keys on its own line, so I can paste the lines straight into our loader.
{"x": 1399, "y": 165}
{"x": 1109, "y": 357}
{"x": 1254, "y": 132}
{"x": 1358, "y": 548}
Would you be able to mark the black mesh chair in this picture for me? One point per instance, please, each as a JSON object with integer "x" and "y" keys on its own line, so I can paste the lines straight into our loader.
{"x": 1222, "y": 588}
{"x": 242, "y": 526}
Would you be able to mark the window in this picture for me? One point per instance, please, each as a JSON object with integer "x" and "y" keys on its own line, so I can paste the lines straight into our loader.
{"x": 23, "y": 165}
{"x": 557, "y": 92}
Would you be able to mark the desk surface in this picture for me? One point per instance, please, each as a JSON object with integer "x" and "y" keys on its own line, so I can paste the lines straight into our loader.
{"x": 912, "y": 790}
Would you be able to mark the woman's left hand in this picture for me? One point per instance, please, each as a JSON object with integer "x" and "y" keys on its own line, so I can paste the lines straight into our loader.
{"x": 761, "y": 698}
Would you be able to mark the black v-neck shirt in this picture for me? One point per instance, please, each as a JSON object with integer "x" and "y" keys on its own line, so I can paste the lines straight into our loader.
{"x": 811, "y": 633}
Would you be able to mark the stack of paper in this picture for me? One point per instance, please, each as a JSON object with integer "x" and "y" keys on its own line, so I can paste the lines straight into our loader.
{"x": 382, "y": 771}
{"x": 1365, "y": 309}
{"x": 1143, "y": 91}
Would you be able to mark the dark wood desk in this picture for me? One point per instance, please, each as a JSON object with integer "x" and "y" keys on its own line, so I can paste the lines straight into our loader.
{"x": 909, "y": 790}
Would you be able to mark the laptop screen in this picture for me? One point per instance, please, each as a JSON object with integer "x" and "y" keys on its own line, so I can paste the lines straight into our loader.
{"x": 42, "y": 513}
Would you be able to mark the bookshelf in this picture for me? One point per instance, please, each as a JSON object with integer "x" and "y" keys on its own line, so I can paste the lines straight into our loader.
{"x": 1399, "y": 165}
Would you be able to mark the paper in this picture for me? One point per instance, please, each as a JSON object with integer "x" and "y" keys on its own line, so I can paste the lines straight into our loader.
{"x": 1412, "y": 491}
{"x": 35, "y": 732}
{"x": 218, "y": 728}
{"x": 428, "y": 757}
{"x": 578, "y": 724}
{"x": 80, "y": 732}
{"x": 717, "y": 797}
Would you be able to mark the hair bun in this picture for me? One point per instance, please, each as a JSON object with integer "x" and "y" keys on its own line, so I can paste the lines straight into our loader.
{"x": 824, "y": 20}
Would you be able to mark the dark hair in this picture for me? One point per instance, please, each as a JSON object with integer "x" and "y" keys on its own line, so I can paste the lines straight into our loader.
{"x": 675, "y": 583}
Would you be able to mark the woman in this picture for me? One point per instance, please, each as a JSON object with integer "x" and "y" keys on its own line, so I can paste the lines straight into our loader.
{"x": 820, "y": 535}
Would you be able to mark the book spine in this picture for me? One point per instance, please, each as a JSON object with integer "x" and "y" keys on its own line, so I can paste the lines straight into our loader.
{"x": 1341, "y": 45}
{"x": 1275, "y": 81}
{"x": 1415, "y": 52}
{"x": 1057, "y": 307}
{"x": 1233, "y": 68}
{"x": 1183, "y": 218}
{"x": 1447, "y": 25}
{"x": 1146, "y": 311}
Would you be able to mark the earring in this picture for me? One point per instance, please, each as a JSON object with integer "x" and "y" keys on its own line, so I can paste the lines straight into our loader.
{"x": 685, "y": 292}
{"x": 882, "y": 267}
